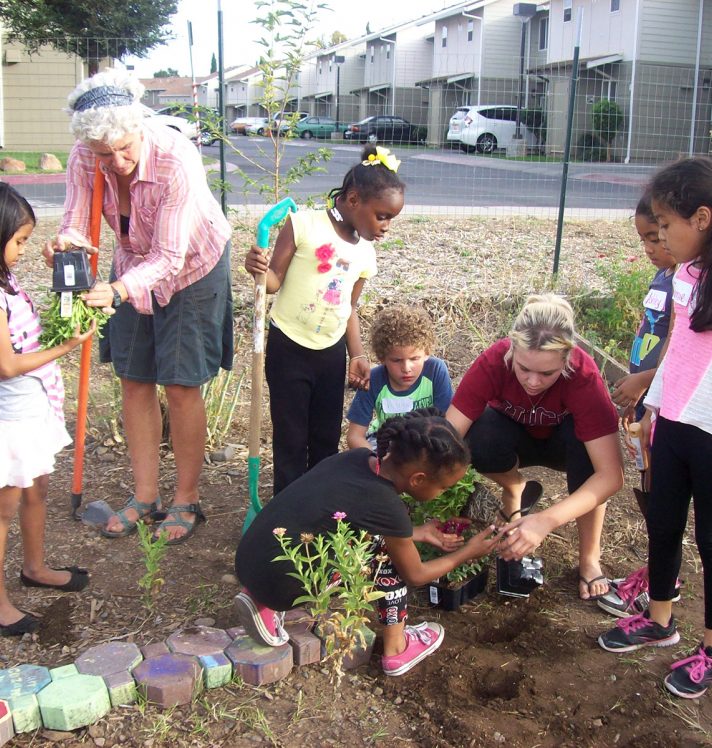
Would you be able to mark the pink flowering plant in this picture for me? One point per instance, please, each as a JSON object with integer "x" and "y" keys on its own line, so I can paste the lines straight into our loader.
{"x": 446, "y": 510}
{"x": 335, "y": 570}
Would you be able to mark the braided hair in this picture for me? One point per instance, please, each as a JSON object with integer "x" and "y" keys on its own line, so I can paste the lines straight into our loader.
{"x": 422, "y": 436}
{"x": 367, "y": 181}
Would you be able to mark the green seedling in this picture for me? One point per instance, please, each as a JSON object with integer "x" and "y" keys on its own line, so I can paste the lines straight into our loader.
{"x": 57, "y": 329}
{"x": 153, "y": 549}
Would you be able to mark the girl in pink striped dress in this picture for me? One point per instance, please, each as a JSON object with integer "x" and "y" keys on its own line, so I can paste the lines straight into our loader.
{"x": 31, "y": 420}
{"x": 679, "y": 405}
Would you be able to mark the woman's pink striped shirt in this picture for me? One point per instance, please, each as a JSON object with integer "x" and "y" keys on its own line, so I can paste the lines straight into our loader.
{"x": 177, "y": 231}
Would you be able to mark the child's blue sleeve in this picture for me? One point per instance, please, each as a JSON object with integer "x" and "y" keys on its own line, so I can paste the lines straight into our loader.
{"x": 361, "y": 410}
{"x": 442, "y": 385}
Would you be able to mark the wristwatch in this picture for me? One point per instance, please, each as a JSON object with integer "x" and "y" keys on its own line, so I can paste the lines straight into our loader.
{"x": 116, "y": 302}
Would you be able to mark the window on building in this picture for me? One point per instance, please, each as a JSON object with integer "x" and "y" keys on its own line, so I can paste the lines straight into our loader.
{"x": 470, "y": 30}
{"x": 567, "y": 10}
{"x": 544, "y": 32}
{"x": 443, "y": 36}
{"x": 388, "y": 51}
{"x": 615, "y": 5}
{"x": 320, "y": 68}
{"x": 372, "y": 53}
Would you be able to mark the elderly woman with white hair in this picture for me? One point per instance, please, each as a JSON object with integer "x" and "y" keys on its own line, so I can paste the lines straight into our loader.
{"x": 535, "y": 399}
{"x": 169, "y": 286}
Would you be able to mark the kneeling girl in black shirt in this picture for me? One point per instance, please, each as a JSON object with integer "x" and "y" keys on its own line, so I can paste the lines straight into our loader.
{"x": 420, "y": 454}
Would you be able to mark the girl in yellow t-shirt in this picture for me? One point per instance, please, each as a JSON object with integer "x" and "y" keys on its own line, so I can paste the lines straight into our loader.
{"x": 320, "y": 262}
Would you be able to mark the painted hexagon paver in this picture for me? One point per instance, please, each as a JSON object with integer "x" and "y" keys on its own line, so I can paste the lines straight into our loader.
{"x": 155, "y": 649}
{"x": 57, "y": 673}
{"x": 199, "y": 640}
{"x": 258, "y": 664}
{"x": 208, "y": 645}
{"x": 19, "y": 687}
{"x": 73, "y": 702}
{"x": 307, "y": 647}
{"x": 114, "y": 662}
{"x": 169, "y": 679}
{"x": 217, "y": 670}
{"x": 7, "y": 731}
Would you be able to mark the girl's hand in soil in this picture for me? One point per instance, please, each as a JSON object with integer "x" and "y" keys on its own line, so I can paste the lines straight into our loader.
{"x": 523, "y": 536}
{"x": 483, "y": 543}
{"x": 430, "y": 533}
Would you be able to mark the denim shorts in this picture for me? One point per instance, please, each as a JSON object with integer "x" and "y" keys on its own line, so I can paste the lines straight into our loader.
{"x": 184, "y": 343}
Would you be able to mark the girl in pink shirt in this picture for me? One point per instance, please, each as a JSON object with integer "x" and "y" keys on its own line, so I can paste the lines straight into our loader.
{"x": 31, "y": 420}
{"x": 680, "y": 403}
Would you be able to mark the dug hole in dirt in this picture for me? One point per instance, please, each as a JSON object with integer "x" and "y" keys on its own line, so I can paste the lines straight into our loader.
{"x": 510, "y": 672}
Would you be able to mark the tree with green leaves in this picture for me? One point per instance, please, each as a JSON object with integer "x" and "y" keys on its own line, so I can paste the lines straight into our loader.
{"x": 608, "y": 120}
{"x": 167, "y": 73}
{"x": 111, "y": 28}
{"x": 213, "y": 64}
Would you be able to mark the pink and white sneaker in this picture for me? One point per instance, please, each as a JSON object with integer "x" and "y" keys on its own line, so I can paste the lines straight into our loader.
{"x": 263, "y": 624}
{"x": 629, "y": 596}
{"x": 421, "y": 640}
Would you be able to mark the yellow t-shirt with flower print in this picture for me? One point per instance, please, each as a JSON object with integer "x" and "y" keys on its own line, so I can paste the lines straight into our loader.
{"x": 313, "y": 304}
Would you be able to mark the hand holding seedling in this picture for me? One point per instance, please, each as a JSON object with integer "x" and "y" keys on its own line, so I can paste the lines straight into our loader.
{"x": 524, "y": 535}
{"x": 442, "y": 535}
{"x": 102, "y": 295}
{"x": 483, "y": 543}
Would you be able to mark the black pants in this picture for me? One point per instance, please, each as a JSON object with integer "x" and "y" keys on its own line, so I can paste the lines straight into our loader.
{"x": 497, "y": 444}
{"x": 681, "y": 458}
{"x": 306, "y": 391}
{"x": 393, "y": 608}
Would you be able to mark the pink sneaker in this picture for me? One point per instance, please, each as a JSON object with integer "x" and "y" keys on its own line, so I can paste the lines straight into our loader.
{"x": 629, "y": 596}
{"x": 421, "y": 640}
{"x": 263, "y": 624}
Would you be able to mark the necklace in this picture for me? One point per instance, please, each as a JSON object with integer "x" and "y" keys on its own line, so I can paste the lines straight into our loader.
{"x": 337, "y": 215}
{"x": 533, "y": 404}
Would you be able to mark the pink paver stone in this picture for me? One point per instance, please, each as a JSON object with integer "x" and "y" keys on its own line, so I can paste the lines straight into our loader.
{"x": 154, "y": 650}
{"x": 169, "y": 679}
{"x": 7, "y": 731}
{"x": 258, "y": 664}
{"x": 105, "y": 659}
{"x": 199, "y": 641}
{"x": 306, "y": 646}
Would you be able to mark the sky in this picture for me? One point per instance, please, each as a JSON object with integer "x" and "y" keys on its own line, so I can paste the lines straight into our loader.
{"x": 239, "y": 47}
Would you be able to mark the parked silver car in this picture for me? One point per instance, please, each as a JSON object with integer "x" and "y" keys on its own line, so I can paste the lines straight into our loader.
{"x": 455, "y": 126}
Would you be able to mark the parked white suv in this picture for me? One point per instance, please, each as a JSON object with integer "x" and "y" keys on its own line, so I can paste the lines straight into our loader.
{"x": 487, "y": 128}
{"x": 455, "y": 124}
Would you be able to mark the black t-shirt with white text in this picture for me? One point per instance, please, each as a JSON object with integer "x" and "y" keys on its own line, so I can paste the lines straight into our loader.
{"x": 341, "y": 483}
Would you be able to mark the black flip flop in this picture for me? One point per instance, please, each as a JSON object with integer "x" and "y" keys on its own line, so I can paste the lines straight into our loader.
{"x": 533, "y": 491}
{"x": 26, "y": 625}
{"x": 589, "y": 582}
{"x": 78, "y": 580}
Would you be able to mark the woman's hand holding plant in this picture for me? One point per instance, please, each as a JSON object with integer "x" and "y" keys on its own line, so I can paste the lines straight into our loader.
{"x": 524, "y": 535}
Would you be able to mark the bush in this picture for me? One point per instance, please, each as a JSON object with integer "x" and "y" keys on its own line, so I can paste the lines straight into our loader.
{"x": 590, "y": 147}
{"x": 611, "y": 321}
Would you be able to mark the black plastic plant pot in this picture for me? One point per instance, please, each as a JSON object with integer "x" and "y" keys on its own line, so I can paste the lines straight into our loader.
{"x": 71, "y": 271}
{"x": 442, "y": 595}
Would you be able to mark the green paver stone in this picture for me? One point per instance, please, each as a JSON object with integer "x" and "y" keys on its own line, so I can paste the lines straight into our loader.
{"x": 217, "y": 670}
{"x": 121, "y": 687}
{"x": 258, "y": 664}
{"x": 19, "y": 686}
{"x": 73, "y": 702}
{"x": 56, "y": 673}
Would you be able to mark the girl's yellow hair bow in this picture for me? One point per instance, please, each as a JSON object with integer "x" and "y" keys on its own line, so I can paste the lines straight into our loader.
{"x": 382, "y": 156}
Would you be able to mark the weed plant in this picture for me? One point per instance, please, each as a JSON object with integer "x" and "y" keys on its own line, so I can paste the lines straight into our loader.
{"x": 153, "y": 550}
{"x": 611, "y": 321}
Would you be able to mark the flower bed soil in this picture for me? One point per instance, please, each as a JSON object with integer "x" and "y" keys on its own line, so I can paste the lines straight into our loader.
{"x": 510, "y": 672}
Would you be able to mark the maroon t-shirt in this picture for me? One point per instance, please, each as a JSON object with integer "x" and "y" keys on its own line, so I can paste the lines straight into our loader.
{"x": 491, "y": 381}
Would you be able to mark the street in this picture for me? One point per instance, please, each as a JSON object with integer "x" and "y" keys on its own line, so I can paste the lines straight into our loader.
{"x": 444, "y": 178}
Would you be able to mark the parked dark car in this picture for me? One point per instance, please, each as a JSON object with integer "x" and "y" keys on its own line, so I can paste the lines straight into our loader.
{"x": 384, "y": 128}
